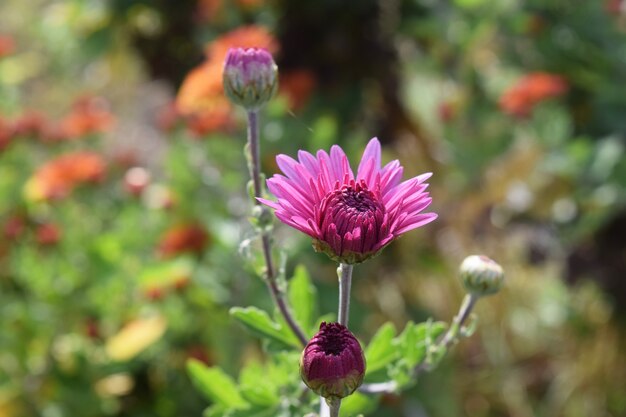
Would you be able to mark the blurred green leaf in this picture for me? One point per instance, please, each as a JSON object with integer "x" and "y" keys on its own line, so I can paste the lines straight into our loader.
{"x": 260, "y": 323}
{"x": 381, "y": 351}
{"x": 469, "y": 4}
{"x": 215, "y": 385}
{"x": 302, "y": 297}
{"x": 257, "y": 385}
{"x": 357, "y": 403}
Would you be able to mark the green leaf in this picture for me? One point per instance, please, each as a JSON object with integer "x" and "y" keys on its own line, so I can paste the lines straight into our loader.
{"x": 257, "y": 385}
{"x": 302, "y": 297}
{"x": 357, "y": 403}
{"x": 260, "y": 323}
{"x": 215, "y": 385}
{"x": 381, "y": 350}
{"x": 413, "y": 342}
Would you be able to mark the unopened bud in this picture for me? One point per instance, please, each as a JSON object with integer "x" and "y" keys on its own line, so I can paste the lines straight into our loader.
{"x": 333, "y": 363}
{"x": 250, "y": 77}
{"x": 481, "y": 275}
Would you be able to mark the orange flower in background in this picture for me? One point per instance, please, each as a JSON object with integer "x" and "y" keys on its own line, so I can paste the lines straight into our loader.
{"x": 7, "y": 45}
{"x": 207, "y": 10}
{"x": 187, "y": 238}
{"x": 218, "y": 120}
{"x": 297, "y": 85}
{"x": 533, "y": 88}
{"x": 201, "y": 95}
{"x": 57, "y": 178}
{"x": 89, "y": 115}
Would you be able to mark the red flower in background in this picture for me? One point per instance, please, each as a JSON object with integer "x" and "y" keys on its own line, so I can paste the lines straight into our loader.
{"x": 188, "y": 238}
{"x": 7, "y": 45}
{"x": 14, "y": 227}
{"x": 201, "y": 96}
{"x": 533, "y": 88}
{"x": 89, "y": 115}
{"x": 6, "y": 133}
{"x": 30, "y": 123}
{"x": 48, "y": 234}
{"x": 57, "y": 178}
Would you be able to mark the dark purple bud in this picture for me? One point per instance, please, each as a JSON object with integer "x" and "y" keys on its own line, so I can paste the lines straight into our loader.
{"x": 333, "y": 364}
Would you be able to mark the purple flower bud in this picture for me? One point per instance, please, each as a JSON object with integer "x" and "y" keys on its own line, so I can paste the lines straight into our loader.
{"x": 333, "y": 364}
{"x": 481, "y": 275}
{"x": 250, "y": 77}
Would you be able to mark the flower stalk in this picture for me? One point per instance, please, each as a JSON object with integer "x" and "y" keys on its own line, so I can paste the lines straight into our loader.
{"x": 270, "y": 274}
{"x": 344, "y": 272}
{"x": 450, "y": 337}
{"x": 345, "y": 283}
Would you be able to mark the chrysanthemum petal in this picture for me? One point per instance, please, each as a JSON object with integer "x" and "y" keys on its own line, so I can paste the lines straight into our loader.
{"x": 309, "y": 162}
{"x": 372, "y": 151}
{"x": 340, "y": 164}
{"x": 414, "y": 222}
{"x": 390, "y": 176}
{"x": 351, "y": 217}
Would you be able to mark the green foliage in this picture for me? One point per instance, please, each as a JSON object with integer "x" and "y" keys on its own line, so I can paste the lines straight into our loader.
{"x": 302, "y": 297}
{"x": 216, "y": 386}
{"x": 260, "y": 323}
{"x": 381, "y": 350}
{"x": 544, "y": 190}
{"x": 415, "y": 344}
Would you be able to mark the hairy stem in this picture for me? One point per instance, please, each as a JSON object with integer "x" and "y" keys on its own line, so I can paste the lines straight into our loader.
{"x": 444, "y": 343}
{"x": 255, "y": 175}
{"x": 334, "y": 408}
{"x": 345, "y": 283}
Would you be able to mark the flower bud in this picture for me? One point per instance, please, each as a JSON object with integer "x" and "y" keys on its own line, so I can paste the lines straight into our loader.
{"x": 481, "y": 275}
{"x": 250, "y": 77}
{"x": 333, "y": 363}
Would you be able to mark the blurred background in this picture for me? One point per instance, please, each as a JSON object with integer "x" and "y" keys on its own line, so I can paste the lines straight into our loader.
{"x": 122, "y": 202}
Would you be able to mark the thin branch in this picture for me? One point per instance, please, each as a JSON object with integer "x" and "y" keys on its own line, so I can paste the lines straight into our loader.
{"x": 255, "y": 174}
{"x": 444, "y": 343}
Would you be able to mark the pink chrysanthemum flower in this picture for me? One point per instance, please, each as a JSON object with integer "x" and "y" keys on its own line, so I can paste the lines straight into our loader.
{"x": 351, "y": 218}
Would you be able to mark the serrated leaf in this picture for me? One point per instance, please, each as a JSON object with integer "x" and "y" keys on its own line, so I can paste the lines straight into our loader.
{"x": 302, "y": 297}
{"x": 412, "y": 343}
{"x": 260, "y": 323}
{"x": 215, "y": 385}
{"x": 257, "y": 386}
{"x": 381, "y": 350}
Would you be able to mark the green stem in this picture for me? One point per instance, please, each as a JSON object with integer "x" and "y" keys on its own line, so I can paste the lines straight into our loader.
{"x": 334, "y": 408}
{"x": 255, "y": 174}
{"x": 345, "y": 283}
{"x": 444, "y": 343}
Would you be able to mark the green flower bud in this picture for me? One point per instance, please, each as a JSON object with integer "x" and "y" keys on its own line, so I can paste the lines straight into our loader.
{"x": 481, "y": 275}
